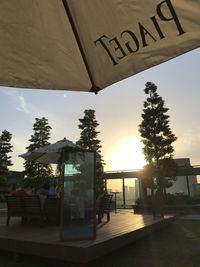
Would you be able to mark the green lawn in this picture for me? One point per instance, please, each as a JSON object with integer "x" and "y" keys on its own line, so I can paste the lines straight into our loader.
{"x": 177, "y": 245}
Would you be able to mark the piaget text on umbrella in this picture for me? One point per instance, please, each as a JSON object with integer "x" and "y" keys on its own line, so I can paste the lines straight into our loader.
{"x": 117, "y": 48}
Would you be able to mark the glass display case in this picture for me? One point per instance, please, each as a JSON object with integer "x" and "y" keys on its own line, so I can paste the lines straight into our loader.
{"x": 78, "y": 198}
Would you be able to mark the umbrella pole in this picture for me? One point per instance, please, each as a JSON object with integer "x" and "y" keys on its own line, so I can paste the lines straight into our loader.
{"x": 94, "y": 88}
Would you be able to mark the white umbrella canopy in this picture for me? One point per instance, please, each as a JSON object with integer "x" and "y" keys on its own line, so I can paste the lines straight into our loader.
{"x": 88, "y": 45}
{"x": 50, "y": 153}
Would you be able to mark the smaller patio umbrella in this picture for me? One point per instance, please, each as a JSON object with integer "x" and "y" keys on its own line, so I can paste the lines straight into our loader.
{"x": 50, "y": 153}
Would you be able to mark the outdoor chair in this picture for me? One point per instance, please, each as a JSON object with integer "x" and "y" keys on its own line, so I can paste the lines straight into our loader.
{"x": 103, "y": 206}
{"x": 51, "y": 209}
{"x": 33, "y": 208}
{"x": 16, "y": 207}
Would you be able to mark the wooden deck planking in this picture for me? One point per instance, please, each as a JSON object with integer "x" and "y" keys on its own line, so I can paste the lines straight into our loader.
{"x": 121, "y": 230}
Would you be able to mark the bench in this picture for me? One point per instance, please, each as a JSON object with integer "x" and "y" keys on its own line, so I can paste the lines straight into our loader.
{"x": 51, "y": 210}
{"x": 16, "y": 207}
{"x": 31, "y": 207}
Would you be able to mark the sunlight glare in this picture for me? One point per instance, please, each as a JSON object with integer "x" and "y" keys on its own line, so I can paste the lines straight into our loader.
{"x": 128, "y": 156}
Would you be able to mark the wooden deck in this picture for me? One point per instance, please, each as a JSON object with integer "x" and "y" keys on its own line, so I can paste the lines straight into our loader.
{"x": 123, "y": 229}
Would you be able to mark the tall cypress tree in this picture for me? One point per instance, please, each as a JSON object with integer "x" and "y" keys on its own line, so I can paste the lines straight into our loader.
{"x": 39, "y": 138}
{"x": 157, "y": 138}
{"x": 88, "y": 139}
{"x": 5, "y": 159}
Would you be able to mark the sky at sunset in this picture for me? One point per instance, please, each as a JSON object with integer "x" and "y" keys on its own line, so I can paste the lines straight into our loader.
{"x": 118, "y": 112}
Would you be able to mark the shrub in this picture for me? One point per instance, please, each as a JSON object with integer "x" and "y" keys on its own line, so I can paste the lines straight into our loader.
{"x": 172, "y": 199}
{"x": 144, "y": 201}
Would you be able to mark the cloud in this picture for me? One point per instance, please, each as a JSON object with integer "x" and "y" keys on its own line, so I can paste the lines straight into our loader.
{"x": 22, "y": 104}
{"x": 18, "y": 99}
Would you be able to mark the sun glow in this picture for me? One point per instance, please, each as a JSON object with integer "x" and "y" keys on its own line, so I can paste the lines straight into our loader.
{"x": 128, "y": 156}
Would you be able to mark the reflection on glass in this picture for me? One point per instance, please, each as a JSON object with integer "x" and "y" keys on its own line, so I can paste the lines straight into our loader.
{"x": 127, "y": 193}
{"x": 131, "y": 192}
{"x": 78, "y": 199}
{"x": 115, "y": 185}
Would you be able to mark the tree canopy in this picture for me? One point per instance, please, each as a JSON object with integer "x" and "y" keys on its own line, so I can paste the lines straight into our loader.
{"x": 157, "y": 138}
{"x": 39, "y": 138}
{"x": 89, "y": 140}
{"x": 5, "y": 159}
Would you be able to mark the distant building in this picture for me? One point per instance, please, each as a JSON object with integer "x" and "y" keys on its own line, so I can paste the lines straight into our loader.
{"x": 184, "y": 184}
{"x": 109, "y": 190}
